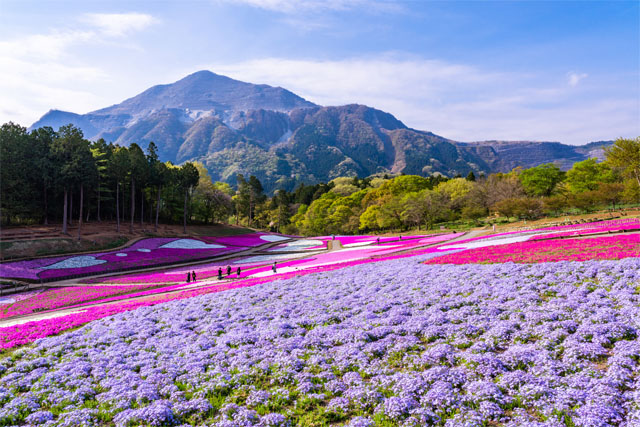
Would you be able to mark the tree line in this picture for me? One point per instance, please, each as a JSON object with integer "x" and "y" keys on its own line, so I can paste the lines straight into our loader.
{"x": 47, "y": 175}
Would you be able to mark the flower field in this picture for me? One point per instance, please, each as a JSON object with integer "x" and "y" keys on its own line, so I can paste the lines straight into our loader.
{"x": 389, "y": 343}
{"x": 503, "y": 330}
{"x": 144, "y": 253}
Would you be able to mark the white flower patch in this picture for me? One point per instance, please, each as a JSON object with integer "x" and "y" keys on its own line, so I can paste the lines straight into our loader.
{"x": 356, "y": 244}
{"x": 190, "y": 244}
{"x": 298, "y": 245}
{"x": 144, "y": 250}
{"x": 121, "y": 254}
{"x": 75, "y": 262}
{"x": 273, "y": 238}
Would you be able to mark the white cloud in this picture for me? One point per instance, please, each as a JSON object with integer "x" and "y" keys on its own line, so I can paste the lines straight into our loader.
{"x": 574, "y": 78}
{"x": 457, "y": 101}
{"x": 119, "y": 24}
{"x": 40, "y": 72}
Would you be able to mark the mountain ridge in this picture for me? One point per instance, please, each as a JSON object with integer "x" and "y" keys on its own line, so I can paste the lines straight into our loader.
{"x": 237, "y": 127}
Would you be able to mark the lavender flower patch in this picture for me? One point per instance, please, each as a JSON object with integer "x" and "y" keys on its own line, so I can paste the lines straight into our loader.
{"x": 394, "y": 343}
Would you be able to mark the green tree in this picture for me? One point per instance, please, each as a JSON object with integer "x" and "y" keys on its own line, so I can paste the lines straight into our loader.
{"x": 369, "y": 218}
{"x": 541, "y": 180}
{"x": 456, "y": 190}
{"x": 424, "y": 207}
{"x": 521, "y": 207}
{"x": 70, "y": 151}
{"x": 624, "y": 155}
{"x": 44, "y": 165}
{"x": 118, "y": 166}
{"x": 188, "y": 180}
{"x": 101, "y": 153}
{"x": 610, "y": 193}
{"x": 587, "y": 175}
{"x": 14, "y": 170}
{"x": 137, "y": 173}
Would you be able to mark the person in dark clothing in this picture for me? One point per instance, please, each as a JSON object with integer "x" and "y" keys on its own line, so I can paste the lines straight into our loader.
{"x": 238, "y": 272}
{"x": 193, "y": 275}
{"x": 228, "y": 270}
{"x": 274, "y": 267}
{"x": 378, "y": 240}
{"x": 220, "y": 273}
{"x": 188, "y": 277}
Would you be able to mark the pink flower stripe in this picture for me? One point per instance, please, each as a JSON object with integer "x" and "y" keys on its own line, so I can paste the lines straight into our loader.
{"x": 593, "y": 228}
{"x": 597, "y": 248}
{"x": 63, "y": 297}
{"x": 586, "y": 228}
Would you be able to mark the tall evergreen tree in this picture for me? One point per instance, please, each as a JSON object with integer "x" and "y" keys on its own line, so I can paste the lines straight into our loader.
{"x": 188, "y": 179}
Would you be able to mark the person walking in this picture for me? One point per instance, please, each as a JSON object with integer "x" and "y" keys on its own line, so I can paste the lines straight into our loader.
{"x": 274, "y": 268}
{"x": 238, "y": 272}
{"x": 220, "y": 273}
{"x": 193, "y": 275}
{"x": 228, "y": 270}
{"x": 188, "y": 277}
{"x": 378, "y": 241}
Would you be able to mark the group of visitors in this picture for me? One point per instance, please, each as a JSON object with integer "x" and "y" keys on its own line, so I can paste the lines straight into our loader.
{"x": 191, "y": 276}
{"x": 238, "y": 271}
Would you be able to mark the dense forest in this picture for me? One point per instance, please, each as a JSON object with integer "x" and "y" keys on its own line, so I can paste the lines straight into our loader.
{"x": 62, "y": 177}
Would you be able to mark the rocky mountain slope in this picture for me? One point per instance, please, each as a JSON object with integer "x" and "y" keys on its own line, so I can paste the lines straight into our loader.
{"x": 236, "y": 127}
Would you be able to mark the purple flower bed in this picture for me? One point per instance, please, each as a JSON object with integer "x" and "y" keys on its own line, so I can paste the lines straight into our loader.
{"x": 144, "y": 253}
{"x": 394, "y": 343}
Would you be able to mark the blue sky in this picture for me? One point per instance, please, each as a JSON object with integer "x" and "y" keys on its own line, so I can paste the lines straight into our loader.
{"x": 468, "y": 70}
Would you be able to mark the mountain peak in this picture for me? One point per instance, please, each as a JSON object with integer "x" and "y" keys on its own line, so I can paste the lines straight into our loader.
{"x": 208, "y": 91}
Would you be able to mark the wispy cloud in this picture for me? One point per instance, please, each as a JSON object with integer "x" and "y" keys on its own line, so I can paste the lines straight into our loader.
{"x": 119, "y": 24}
{"x": 574, "y": 78}
{"x": 458, "y": 101}
{"x": 305, "y": 6}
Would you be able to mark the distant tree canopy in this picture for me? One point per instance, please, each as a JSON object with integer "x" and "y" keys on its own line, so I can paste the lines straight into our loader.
{"x": 59, "y": 175}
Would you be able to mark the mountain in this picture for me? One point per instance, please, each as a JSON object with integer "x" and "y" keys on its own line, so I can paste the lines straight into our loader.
{"x": 236, "y": 127}
{"x": 503, "y": 156}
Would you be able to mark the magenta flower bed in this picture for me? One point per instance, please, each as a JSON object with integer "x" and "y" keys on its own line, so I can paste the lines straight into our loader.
{"x": 612, "y": 226}
{"x": 597, "y": 248}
